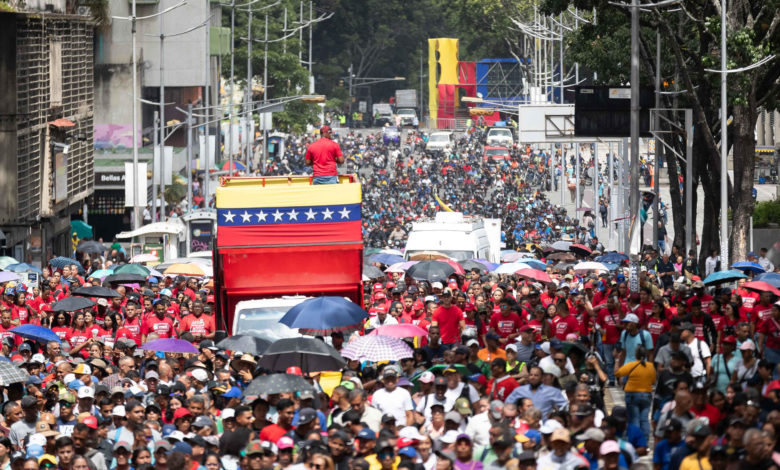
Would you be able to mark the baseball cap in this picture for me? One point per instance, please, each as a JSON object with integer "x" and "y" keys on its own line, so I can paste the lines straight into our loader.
{"x": 449, "y": 437}
{"x": 427, "y": 377}
{"x": 285, "y": 442}
{"x": 549, "y": 426}
{"x": 439, "y": 381}
{"x": 453, "y": 416}
{"x": 592, "y": 434}
{"x": 86, "y": 392}
{"x": 366, "y": 434}
{"x": 123, "y": 445}
{"x": 29, "y": 401}
{"x": 630, "y": 318}
{"x": 609, "y": 447}
{"x": 496, "y": 409}
{"x": 306, "y": 415}
{"x": 747, "y": 345}
{"x": 560, "y": 434}
{"x": 118, "y": 411}
{"x": 90, "y": 421}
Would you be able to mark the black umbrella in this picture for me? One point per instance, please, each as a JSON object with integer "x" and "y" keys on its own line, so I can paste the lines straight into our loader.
{"x": 124, "y": 277}
{"x": 310, "y": 354}
{"x": 470, "y": 264}
{"x": 372, "y": 272}
{"x": 431, "y": 271}
{"x": 96, "y": 291}
{"x": 91, "y": 246}
{"x": 71, "y": 304}
{"x": 277, "y": 383}
{"x": 245, "y": 343}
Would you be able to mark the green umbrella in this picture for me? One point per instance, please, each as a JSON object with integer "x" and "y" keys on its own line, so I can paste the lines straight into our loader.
{"x": 370, "y": 251}
{"x": 438, "y": 369}
{"x": 132, "y": 269}
{"x": 81, "y": 228}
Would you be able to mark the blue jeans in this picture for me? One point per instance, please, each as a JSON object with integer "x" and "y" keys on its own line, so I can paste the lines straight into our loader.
{"x": 326, "y": 180}
{"x": 609, "y": 360}
{"x": 638, "y": 410}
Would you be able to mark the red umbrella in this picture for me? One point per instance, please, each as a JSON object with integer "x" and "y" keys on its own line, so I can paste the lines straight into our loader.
{"x": 761, "y": 286}
{"x": 535, "y": 275}
{"x": 455, "y": 265}
{"x": 580, "y": 249}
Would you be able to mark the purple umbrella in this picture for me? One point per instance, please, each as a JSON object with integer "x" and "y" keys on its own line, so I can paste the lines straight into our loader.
{"x": 6, "y": 276}
{"x": 170, "y": 345}
{"x": 376, "y": 348}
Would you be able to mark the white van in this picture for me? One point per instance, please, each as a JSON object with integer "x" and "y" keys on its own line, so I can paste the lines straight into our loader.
{"x": 261, "y": 317}
{"x": 456, "y": 236}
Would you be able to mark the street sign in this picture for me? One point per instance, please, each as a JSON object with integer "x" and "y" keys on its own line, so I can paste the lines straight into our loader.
{"x": 603, "y": 111}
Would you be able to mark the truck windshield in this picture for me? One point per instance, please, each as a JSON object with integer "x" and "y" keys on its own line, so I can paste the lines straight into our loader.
{"x": 409, "y": 112}
{"x": 500, "y": 133}
{"x": 265, "y": 320}
{"x": 458, "y": 255}
{"x": 439, "y": 138}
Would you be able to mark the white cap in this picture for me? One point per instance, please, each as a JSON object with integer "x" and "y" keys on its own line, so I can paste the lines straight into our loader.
{"x": 178, "y": 435}
{"x": 552, "y": 369}
{"x": 86, "y": 392}
{"x": 228, "y": 413}
{"x": 511, "y": 346}
{"x": 437, "y": 285}
{"x": 427, "y": 377}
{"x": 429, "y": 298}
{"x": 200, "y": 375}
{"x": 631, "y": 318}
{"x": 449, "y": 437}
{"x": 118, "y": 411}
{"x": 472, "y": 342}
{"x": 410, "y": 432}
{"x": 37, "y": 438}
{"x": 545, "y": 347}
{"x": 69, "y": 378}
{"x": 549, "y": 426}
{"x": 38, "y": 358}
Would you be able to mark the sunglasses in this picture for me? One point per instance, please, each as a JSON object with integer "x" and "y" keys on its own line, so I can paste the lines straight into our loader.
{"x": 317, "y": 466}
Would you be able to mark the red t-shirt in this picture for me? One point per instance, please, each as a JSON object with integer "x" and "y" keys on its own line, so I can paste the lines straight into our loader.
{"x": 562, "y": 326}
{"x": 505, "y": 325}
{"x": 134, "y": 326}
{"x": 656, "y": 327}
{"x": 63, "y": 332}
{"x": 20, "y": 313}
{"x": 448, "y": 320}
{"x": 6, "y": 333}
{"x": 163, "y": 327}
{"x": 273, "y": 432}
{"x": 609, "y": 322}
{"x": 749, "y": 298}
{"x": 323, "y": 154}
{"x": 761, "y": 313}
{"x": 503, "y": 388}
{"x": 771, "y": 329}
{"x": 126, "y": 333}
{"x": 202, "y": 325}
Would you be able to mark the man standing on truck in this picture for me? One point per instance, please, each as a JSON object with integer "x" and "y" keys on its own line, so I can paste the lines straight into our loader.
{"x": 323, "y": 156}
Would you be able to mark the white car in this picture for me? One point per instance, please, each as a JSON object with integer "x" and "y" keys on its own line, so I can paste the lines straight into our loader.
{"x": 499, "y": 137}
{"x": 439, "y": 142}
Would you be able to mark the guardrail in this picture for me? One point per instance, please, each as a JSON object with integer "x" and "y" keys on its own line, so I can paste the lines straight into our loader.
{"x": 455, "y": 124}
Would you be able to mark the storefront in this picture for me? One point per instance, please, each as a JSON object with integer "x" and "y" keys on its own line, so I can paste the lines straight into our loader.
{"x": 107, "y": 212}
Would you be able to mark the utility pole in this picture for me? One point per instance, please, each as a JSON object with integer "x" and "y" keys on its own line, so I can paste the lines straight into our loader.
{"x": 311, "y": 61}
{"x": 136, "y": 209}
{"x": 230, "y": 98}
{"x": 724, "y": 148}
{"x": 284, "y": 43}
{"x": 634, "y": 198}
{"x": 349, "y": 118}
{"x": 155, "y": 141}
{"x": 189, "y": 157}
{"x": 162, "y": 123}
{"x": 300, "y": 35}
{"x": 248, "y": 94}
{"x": 265, "y": 96}
{"x": 658, "y": 145}
{"x": 207, "y": 106}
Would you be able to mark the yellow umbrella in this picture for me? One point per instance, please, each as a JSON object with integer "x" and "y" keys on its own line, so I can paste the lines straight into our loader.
{"x": 185, "y": 269}
{"x": 428, "y": 256}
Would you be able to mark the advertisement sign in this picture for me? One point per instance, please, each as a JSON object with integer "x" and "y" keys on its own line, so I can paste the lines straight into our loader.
{"x": 201, "y": 233}
{"x": 60, "y": 176}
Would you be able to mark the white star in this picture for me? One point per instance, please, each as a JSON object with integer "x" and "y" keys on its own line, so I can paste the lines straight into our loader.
{"x": 229, "y": 216}
{"x": 344, "y": 213}
{"x": 310, "y": 214}
{"x": 261, "y": 216}
{"x": 277, "y": 215}
{"x": 327, "y": 214}
{"x": 246, "y": 216}
{"x": 293, "y": 215}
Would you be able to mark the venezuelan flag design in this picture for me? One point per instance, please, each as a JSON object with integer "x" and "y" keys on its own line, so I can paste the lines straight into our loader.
{"x": 287, "y": 211}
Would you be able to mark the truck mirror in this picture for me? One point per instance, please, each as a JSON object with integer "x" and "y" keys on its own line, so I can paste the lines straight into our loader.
{"x": 219, "y": 335}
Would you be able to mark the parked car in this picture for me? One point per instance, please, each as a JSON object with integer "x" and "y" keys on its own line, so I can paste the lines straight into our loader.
{"x": 496, "y": 154}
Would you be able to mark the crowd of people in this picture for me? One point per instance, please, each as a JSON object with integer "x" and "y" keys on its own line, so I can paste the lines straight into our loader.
{"x": 509, "y": 373}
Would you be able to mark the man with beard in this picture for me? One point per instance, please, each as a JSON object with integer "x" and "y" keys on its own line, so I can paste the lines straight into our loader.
{"x": 84, "y": 442}
{"x": 544, "y": 397}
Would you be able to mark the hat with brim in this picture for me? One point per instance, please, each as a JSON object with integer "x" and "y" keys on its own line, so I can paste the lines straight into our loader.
{"x": 246, "y": 359}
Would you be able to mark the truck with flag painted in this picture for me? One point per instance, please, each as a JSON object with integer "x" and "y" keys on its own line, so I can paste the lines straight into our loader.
{"x": 283, "y": 236}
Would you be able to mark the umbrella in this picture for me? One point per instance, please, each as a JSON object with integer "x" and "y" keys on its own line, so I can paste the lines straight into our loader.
{"x": 376, "y": 348}
{"x": 132, "y": 269}
{"x": 371, "y": 251}
{"x": 534, "y": 263}
{"x": 470, "y": 264}
{"x": 372, "y": 272}
{"x": 724, "y": 276}
{"x": 23, "y": 268}
{"x": 236, "y": 166}
{"x": 438, "y": 369}
{"x": 96, "y": 291}
{"x": 748, "y": 266}
{"x": 511, "y": 268}
{"x": 534, "y": 274}
{"x": 562, "y": 257}
{"x": 568, "y": 347}
{"x": 612, "y": 257}
{"x": 155, "y": 273}
{"x": 6, "y": 276}
{"x": 400, "y": 330}
{"x": 769, "y": 278}
{"x": 82, "y": 229}
{"x": 761, "y": 286}
{"x": 310, "y": 354}
{"x": 396, "y": 268}
{"x": 185, "y": 269}
{"x": 62, "y": 261}
{"x": 386, "y": 259}
{"x": 253, "y": 345}
{"x": 561, "y": 246}
{"x": 587, "y": 266}
{"x": 37, "y": 333}
{"x": 510, "y": 256}
{"x": 10, "y": 374}
{"x": 7, "y": 260}
{"x": 125, "y": 278}
{"x": 101, "y": 273}
{"x": 431, "y": 271}
{"x": 71, "y": 304}
{"x": 277, "y": 383}
{"x": 455, "y": 265}
{"x": 491, "y": 266}
{"x": 324, "y": 315}
{"x": 91, "y": 247}
{"x": 391, "y": 251}
{"x": 581, "y": 250}
{"x": 144, "y": 258}
{"x": 170, "y": 345}
{"x": 428, "y": 256}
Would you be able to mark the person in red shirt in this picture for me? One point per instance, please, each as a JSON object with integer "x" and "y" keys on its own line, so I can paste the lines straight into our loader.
{"x": 769, "y": 335}
{"x": 6, "y": 325}
{"x": 132, "y": 324}
{"x": 62, "y": 326}
{"x": 657, "y": 324}
{"x": 564, "y": 323}
{"x": 323, "y": 156}
{"x": 762, "y": 310}
{"x": 608, "y": 319}
{"x": 449, "y": 319}
{"x": 698, "y": 293}
{"x": 501, "y": 385}
{"x": 274, "y": 432}
{"x": 200, "y": 326}
{"x": 506, "y": 323}
{"x": 701, "y": 408}
{"x": 646, "y": 305}
{"x": 158, "y": 323}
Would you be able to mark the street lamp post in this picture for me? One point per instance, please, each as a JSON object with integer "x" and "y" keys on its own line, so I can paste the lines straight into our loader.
{"x": 724, "y": 149}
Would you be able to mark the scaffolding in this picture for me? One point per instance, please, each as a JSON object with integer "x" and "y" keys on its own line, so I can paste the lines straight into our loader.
{"x": 503, "y": 80}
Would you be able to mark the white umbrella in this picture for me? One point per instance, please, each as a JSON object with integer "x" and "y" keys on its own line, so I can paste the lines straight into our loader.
{"x": 391, "y": 251}
{"x": 587, "y": 266}
{"x": 511, "y": 268}
{"x": 144, "y": 258}
{"x": 396, "y": 268}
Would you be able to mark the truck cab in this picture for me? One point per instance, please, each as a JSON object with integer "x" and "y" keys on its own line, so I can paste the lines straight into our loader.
{"x": 284, "y": 236}
{"x": 408, "y": 116}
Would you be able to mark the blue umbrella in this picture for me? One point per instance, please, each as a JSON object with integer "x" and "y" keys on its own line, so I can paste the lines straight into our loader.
{"x": 612, "y": 257}
{"x": 770, "y": 278}
{"x": 724, "y": 276}
{"x": 62, "y": 261}
{"x": 534, "y": 263}
{"x": 746, "y": 266}
{"x": 35, "y": 333}
{"x": 490, "y": 265}
{"x": 386, "y": 259}
{"x": 23, "y": 268}
{"x": 324, "y": 315}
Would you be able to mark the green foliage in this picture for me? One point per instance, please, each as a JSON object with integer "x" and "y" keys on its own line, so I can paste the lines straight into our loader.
{"x": 765, "y": 212}
{"x": 175, "y": 192}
